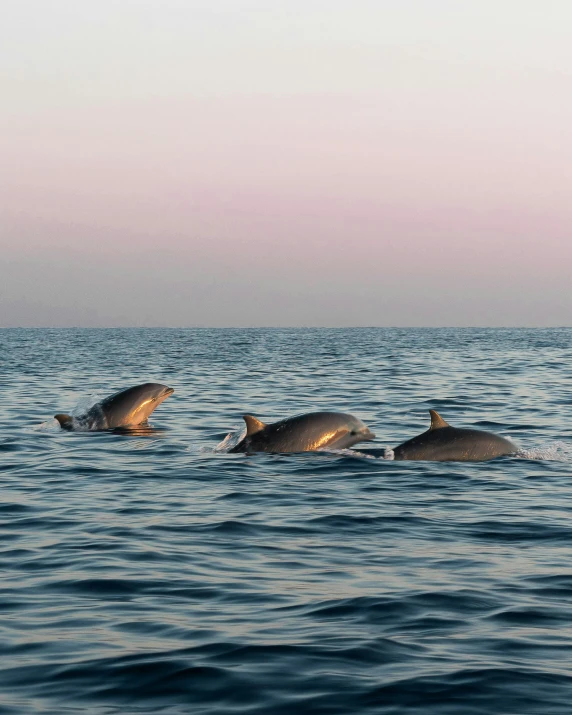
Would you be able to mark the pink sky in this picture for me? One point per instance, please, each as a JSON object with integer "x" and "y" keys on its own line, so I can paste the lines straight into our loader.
{"x": 286, "y": 163}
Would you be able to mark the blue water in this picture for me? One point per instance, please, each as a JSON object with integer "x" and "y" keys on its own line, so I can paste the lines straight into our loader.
{"x": 156, "y": 574}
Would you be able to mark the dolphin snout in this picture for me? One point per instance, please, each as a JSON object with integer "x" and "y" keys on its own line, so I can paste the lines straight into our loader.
{"x": 368, "y": 435}
{"x": 163, "y": 395}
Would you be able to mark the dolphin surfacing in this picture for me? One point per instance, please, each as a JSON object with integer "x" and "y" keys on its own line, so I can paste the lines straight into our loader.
{"x": 304, "y": 433}
{"x": 443, "y": 443}
{"x": 123, "y": 410}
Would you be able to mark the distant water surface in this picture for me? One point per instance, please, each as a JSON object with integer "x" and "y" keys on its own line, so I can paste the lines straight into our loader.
{"x": 153, "y": 573}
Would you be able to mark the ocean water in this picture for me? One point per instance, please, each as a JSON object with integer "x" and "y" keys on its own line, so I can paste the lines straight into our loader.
{"x": 157, "y": 573}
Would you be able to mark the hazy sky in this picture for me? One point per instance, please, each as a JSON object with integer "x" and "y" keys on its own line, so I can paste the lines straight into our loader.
{"x": 315, "y": 162}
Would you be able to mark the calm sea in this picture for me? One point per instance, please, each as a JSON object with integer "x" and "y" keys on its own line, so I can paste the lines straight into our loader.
{"x": 158, "y": 574}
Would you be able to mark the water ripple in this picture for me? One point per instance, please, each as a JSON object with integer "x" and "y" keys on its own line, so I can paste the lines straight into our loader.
{"x": 156, "y": 573}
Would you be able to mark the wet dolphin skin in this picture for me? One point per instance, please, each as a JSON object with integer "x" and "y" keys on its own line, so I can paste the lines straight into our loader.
{"x": 443, "y": 443}
{"x": 304, "y": 433}
{"x": 124, "y": 409}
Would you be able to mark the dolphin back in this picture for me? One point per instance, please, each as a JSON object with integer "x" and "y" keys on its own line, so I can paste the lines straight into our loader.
{"x": 455, "y": 445}
{"x": 304, "y": 433}
{"x": 443, "y": 443}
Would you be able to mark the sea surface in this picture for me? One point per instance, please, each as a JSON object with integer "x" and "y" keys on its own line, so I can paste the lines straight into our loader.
{"x": 157, "y": 573}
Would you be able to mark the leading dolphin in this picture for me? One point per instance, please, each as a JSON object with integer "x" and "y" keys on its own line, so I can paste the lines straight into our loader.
{"x": 443, "y": 443}
{"x": 304, "y": 433}
{"x": 125, "y": 409}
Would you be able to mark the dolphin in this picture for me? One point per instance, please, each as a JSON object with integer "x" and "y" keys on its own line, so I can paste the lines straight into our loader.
{"x": 304, "y": 433}
{"x": 125, "y": 409}
{"x": 443, "y": 443}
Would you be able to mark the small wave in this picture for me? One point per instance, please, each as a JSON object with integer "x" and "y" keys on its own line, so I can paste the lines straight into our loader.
{"x": 553, "y": 451}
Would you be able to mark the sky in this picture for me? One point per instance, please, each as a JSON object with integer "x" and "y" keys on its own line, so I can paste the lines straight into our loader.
{"x": 286, "y": 163}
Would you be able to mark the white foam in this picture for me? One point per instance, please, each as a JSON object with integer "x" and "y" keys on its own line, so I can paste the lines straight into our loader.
{"x": 552, "y": 451}
{"x": 347, "y": 453}
{"x": 356, "y": 453}
{"x": 230, "y": 441}
{"x": 48, "y": 426}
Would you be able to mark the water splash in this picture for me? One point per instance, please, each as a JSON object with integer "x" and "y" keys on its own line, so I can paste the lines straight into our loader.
{"x": 551, "y": 451}
{"x": 230, "y": 441}
{"x": 84, "y": 404}
{"x": 51, "y": 425}
{"x": 372, "y": 453}
{"x": 347, "y": 453}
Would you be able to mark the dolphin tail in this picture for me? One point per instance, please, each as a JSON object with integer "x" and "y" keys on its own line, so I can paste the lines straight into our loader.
{"x": 65, "y": 421}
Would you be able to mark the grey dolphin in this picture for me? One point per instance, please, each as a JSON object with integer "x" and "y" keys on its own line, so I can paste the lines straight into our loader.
{"x": 443, "y": 443}
{"x": 304, "y": 433}
{"x": 124, "y": 409}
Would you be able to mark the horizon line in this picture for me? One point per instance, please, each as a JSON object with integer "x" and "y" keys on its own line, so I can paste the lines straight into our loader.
{"x": 285, "y": 327}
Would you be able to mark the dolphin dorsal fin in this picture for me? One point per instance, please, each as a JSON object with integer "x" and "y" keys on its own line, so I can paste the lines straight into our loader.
{"x": 64, "y": 420}
{"x": 437, "y": 422}
{"x": 252, "y": 425}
